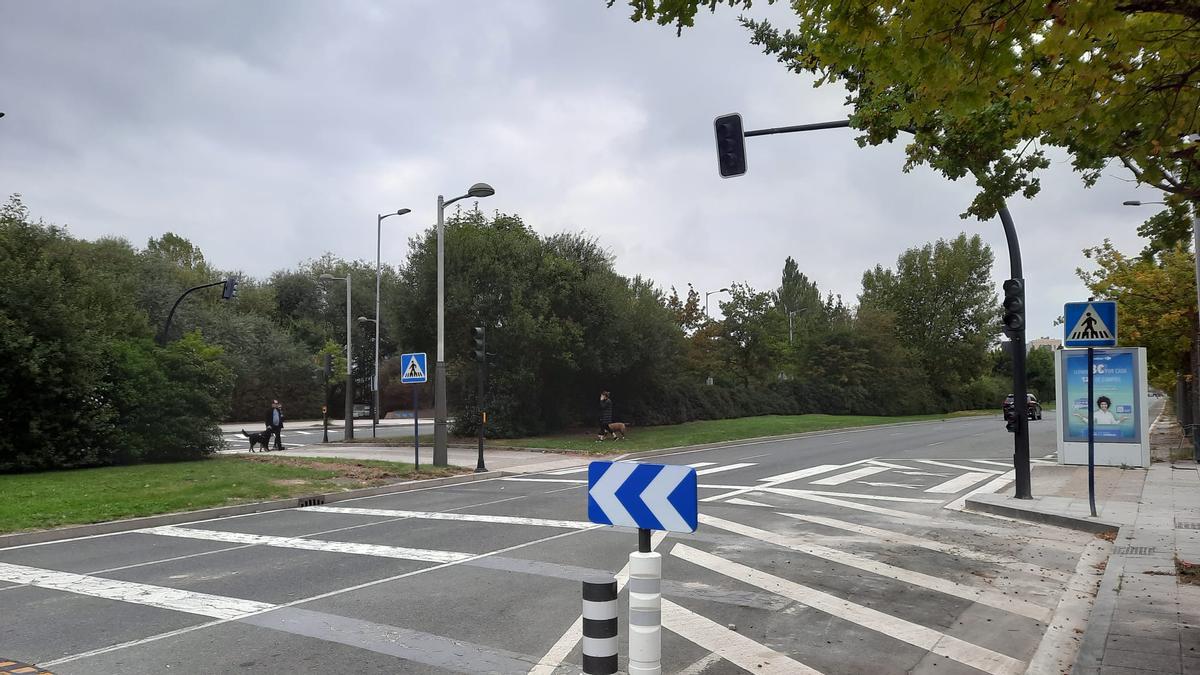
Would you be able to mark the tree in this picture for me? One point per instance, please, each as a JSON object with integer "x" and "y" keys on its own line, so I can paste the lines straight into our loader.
{"x": 945, "y": 309}
{"x": 984, "y": 86}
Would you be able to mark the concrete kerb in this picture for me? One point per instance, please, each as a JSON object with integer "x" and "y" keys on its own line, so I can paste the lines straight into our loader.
{"x": 114, "y": 526}
{"x": 1002, "y": 505}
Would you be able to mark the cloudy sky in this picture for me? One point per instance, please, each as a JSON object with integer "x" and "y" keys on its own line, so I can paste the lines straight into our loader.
{"x": 269, "y": 132}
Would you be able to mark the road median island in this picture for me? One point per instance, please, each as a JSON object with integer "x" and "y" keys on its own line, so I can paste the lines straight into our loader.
{"x": 39, "y": 501}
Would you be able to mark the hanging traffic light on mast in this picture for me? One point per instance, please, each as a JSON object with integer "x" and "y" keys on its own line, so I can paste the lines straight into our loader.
{"x": 1014, "y": 307}
{"x": 478, "y": 334}
{"x": 229, "y": 290}
{"x": 731, "y": 145}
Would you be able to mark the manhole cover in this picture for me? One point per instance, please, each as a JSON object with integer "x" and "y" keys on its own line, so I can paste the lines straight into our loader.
{"x": 1134, "y": 550}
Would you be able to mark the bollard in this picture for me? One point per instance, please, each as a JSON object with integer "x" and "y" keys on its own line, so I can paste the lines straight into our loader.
{"x": 600, "y": 627}
{"x": 645, "y": 613}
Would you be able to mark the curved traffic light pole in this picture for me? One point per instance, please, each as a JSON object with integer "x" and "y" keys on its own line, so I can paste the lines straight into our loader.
{"x": 162, "y": 339}
{"x": 1015, "y": 333}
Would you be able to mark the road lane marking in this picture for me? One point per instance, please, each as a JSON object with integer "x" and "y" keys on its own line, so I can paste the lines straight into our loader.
{"x": 303, "y": 433}
{"x": 399, "y": 552}
{"x": 889, "y": 465}
{"x": 769, "y": 483}
{"x": 727, "y": 467}
{"x": 790, "y": 492}
{"x": 891, "y": 536}
{"x": 915, "y": 634}
{"x": 736, "y": 648}
{"x": 945, "y": 586}
{"x": 960, "y": 504}
{"x": 960, "y": 467}
{"x": 988, "y": 461}
{"x": 566, "y": 472}
{"x": 455, "y": 516}
{"x": 839, "y": 442}
{"x": 932, "y": 445}
{"x": 901, "y": 515}
{"x": 850, "y": 475}
{"x": 563, "y": 647}
{"x": 959, "y": 483}
{"x": 190, "y": 602}
{"x": 802, "y": 473}
{"x": 701, "y": 465}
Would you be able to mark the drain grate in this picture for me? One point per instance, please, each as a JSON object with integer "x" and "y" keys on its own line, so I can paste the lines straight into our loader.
{"x": 310, "y": 501}
{"x": 1187, "y": 525}
{"x": 1134, "y": 550}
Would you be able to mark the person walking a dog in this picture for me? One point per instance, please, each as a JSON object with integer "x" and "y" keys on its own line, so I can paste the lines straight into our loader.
{"x": 275, "y": 423}
{"x": 606, "y": 416}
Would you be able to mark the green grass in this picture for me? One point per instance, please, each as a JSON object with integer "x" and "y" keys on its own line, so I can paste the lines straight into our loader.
{"x": 714, "y": 431}
{"x": 393, "y": 441}
{"x": 54, "y": 499}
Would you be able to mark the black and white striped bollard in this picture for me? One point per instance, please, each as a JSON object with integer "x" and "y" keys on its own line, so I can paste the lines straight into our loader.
{"x": 600, "y": 627}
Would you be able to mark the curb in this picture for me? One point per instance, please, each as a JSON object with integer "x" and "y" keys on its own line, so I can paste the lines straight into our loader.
{"x": 982, "y": 504}
{"x": 1095, "y": 637}
{"x": 110, "y": 527}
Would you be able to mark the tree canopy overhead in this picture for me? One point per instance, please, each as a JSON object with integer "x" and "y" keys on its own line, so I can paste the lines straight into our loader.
{"x": 985, "y": 86}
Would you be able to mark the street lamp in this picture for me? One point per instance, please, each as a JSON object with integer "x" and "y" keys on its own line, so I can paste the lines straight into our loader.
{"x": 708, "y": 293}
{"x": 349, "y": 434}
{"x": 1195, "y": 366}
{"x": 378, "y": 232}
{"x": 478, "y": 191}
{"x": 791, "y": 313}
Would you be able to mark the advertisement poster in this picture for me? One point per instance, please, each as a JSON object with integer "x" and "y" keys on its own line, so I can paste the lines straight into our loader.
{"x": 1115, "y": 404}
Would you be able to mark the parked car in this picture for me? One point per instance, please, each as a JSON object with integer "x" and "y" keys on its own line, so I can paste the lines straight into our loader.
{"x": 1033, "y": 411}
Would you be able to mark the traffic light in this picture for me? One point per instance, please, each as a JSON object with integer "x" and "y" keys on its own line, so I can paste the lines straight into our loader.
{"x": 731, "y": 145}
{"x": 1010, "y": 419}
{"x": 477, "y": 333}
{"x": 229, "y": 291}
{"x": 1014, "y": 307}
{"x": 328, "y": 366}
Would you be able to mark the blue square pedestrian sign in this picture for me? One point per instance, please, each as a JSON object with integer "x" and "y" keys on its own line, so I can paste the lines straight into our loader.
{"x": 1090, "y": 324}
{"x": 412, "y": 368}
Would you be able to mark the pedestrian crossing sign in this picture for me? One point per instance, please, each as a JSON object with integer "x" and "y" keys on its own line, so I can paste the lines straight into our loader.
{"x": 412, "y": 368}
{"x": 1090, "y": 324}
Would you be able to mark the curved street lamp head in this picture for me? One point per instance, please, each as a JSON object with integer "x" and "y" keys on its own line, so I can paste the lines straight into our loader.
{"x": 403, "y": 211}
{"x": 326, "y": 277}
{"x": 366, "y": 318}
{"x": 1131, "y": 202}
{"x": 479, "y": 190}
{"x": 724, "y": 290}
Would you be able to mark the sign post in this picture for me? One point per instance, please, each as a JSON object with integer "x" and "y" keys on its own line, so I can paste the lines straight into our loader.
{"x": 412, "y": 371}
{"x": 1091, "y": 324}
{"x": 648, "y": 497}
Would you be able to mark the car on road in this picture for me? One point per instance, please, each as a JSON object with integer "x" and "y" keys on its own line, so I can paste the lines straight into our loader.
{"x": 1033, "y": 410}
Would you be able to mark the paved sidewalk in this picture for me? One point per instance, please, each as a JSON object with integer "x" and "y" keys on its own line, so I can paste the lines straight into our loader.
{"x": 513, "y": 461}
{"x": 1146, "y": 617}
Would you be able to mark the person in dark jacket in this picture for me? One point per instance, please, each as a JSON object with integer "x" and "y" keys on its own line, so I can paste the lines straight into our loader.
{"x": 605, "y": 415}
{"x": 275, "y": 423}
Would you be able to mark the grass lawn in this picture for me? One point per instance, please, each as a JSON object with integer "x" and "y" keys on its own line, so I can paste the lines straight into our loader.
{"x": 56, "y": 498}
{"x": 714, "y": 431}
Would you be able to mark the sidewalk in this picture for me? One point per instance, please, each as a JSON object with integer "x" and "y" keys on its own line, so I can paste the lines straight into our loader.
{"x": 510, "y": 461}
{"x": 1146, "y": 616}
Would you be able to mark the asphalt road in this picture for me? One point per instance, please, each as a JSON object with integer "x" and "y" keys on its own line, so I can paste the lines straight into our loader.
{"x": 842, "y": 552}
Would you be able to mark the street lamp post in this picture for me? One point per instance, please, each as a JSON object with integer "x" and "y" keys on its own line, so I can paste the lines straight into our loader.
{"x": 478, "y": 191}
{"x": 791, "y": 313}
{"x": 349, "y": 433}
{"x": 1195, "y": 411}
{"x": 708, "y": 293}
{"x": 378, "y": 236}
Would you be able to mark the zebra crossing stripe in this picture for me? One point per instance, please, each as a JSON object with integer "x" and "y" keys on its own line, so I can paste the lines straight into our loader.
{"x": 959, "y": 483}
{"x": 928, "y": 639}
{"x": 960, "y": 467}
{"x": 468, "y": 517}
{"x": 802, "y": 473}
{"x": 399, "y": 552}
{"x": 727, "y": 467}
{"x": 736, "y": 648}
{"x": 850, "y": 475}
{"x": 190, "y": 602}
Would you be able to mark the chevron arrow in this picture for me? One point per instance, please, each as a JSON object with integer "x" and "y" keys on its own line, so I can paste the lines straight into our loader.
{"x": 647, "y": 496}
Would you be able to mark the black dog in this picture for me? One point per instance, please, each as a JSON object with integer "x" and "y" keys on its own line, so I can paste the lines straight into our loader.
{"x": 262, "y": 438}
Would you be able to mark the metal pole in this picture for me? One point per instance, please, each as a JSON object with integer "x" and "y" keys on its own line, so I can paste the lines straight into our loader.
{"x": 439, "y": 373}
{"x": 417, "y": 426}
{"x": 162, "y": 340}
{"x": 479, "y": 467}
{"x": 1024, "y": 486}
{"x": 1196, "y": 361}
{"x": 1091, "y": 371}
{"x": 349, "y": 435}
{"x": 375, "y": 402}
{"x": 325, "y": 408}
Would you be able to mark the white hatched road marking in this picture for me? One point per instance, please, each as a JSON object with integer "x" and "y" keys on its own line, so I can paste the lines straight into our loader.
{"x": 789, "y": 492}
{"x": 303, "y": 433}
{"x": 469, "y": 517}
{"x": 769, "y": 483}
{"x": 935, "y": 462}
{"x": 727, "y": 467}
{"x": 960, "y": 483}
{"x": 191, "y": 602}
{"x": 877, "y": 462}
{"x": 802, "y": 473}
{"x": 733, "y": 647}
{"x": 400, "y": 552}
{"x": 929, "y": 544}
{"x": 914, "y": 634}
{"x": 995, "y": 463}
{"x": 902, "y": 515}
{"x": 701, "y": 465}
{"x": 996, "y": 483}
{"x": 565, "y": 472}
{"x": 952, "y": 588}
{"x": 850, "y": 475}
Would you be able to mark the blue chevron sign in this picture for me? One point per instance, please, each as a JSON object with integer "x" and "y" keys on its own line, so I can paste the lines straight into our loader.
{"x": 647, "y": 496}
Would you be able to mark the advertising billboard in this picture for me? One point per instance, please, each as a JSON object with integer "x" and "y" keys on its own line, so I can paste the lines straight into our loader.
{"x": 1116, "y": 406}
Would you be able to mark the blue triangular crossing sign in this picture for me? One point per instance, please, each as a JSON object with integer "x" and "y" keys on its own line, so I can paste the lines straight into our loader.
{"x": 1090, "y": 324}
{"x": 412, "y": 368}
{"x": 648, "y": 496}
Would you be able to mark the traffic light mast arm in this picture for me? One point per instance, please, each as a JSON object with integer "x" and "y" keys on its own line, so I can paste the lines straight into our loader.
{"x": 162, "y": 339}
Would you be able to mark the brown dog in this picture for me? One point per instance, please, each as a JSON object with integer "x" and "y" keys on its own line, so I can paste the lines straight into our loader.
{"x": 617, "y": 429}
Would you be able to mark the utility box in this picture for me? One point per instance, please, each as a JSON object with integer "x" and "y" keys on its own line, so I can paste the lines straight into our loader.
{"x": 1120, "y": 404}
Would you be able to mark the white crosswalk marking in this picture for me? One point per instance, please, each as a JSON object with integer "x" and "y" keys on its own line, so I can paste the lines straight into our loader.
{"x": 915, "y": 634}
{"x": 960, "y": 504}
{"x": 994, "y": 463}
{"x": 203, "y": 604}
{"x": 935, "y": 462}
{"x": 455, "y": 516}
{"x": 959, "y": 483}
{"x": 701, "y": 465}
{"x": 733, "y": 647}
{"x": 802, "y": 473}
{"x": 850, "y": 475}
{"x": 790, "y": 492}
{"x": 567, "y": 472}
{"x": 952, "y": 588}
{"x": 727, "y": 467}
{"x": 424, "y": 555}
{"x": 867, "y": 508}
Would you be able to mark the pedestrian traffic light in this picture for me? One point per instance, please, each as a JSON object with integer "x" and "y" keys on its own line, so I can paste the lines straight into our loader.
{"x": 731, "y": 145}
{"x": 480, "y": 344}
{"x": 1010, "y": 418}
{"x": 229, "y": 291}
{"x": 1014, "y": 307}
{"x": 328, "y": 366}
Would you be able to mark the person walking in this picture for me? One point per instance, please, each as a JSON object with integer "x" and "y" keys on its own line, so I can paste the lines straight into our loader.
{"x": 275, "y": 423}
{"x": 606, "y": 416}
